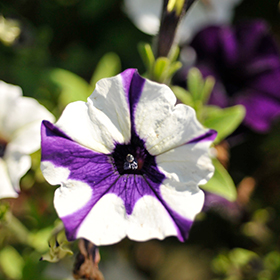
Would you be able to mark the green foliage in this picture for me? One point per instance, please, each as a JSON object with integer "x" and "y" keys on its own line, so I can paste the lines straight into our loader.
{"x": 72, "y": 86}
{"x": 221, "y": 183}
{"x": 108, "y": 66}
{"x": 11, "y": 262}
{"x": 58, "y": 245}
{"x": 224, "y": 121}
{"x": 161, "y": 69}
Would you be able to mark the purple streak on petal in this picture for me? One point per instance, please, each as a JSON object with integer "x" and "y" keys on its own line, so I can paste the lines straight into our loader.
{"x": 85, "y": 165}
{"x": 73, "y": 221}
{"x": 98, "y": 171}
{"x": 181, "y": 224}
{"x": 210, "y": 135}
{"x": 133, "y": 84}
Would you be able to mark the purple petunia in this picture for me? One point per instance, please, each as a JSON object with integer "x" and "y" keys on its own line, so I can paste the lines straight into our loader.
{"x": 245, "y": 62}
{"x": 128, "y": 162}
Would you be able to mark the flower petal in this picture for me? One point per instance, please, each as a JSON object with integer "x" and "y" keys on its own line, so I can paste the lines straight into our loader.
{"x": 187, "y": 166}
{"x": 102, "y": 121}
{"x": 6, "y": 187}
{"x": 8, "y": 97}
{"x": 23, "y": 124}
{"x": 106, "y": 223}
{"x": 162, "y": 125}
{"x": 17, "y": 165}
{"x": 261, "y": 110}
{"x": 150, "y": 219}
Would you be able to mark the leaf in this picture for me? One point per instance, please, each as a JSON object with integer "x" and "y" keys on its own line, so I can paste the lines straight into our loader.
{"x": 109, "y": 65}
{"x": 207, "y": 89}
{"x": 224, "y": 121}
{"x": 161, "y": 68}
{"x": 173, "y": 68}
{"x": 221, "y": 183}
{"x": 195, "y": 83}
{"x": 183, "y": 95}
{"x": 11, "y": 262}
{"x": 147, "y": 55}
{"x": 174, "y": 53}
{"x": 58, "y": 246}
{"x": 72, "y": 86}
{"x": 241, "y": 257}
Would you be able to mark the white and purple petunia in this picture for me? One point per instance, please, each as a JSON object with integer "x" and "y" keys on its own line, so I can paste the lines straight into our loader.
{"x": 128, "y": 162}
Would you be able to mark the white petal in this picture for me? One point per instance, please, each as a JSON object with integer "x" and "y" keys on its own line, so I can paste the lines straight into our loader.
{"x": 160, "y": 124}
{"x": 106, "y": 223}
{"x": 6, "y": 188}
{"x": 145, "y": 14}
{"x": 71, "y": 197}
{"x": 8, "y": 95}
{"x": 187, "y": 203}
{"x": 187, "y": 166}
{"x": 53, "y": 174}
{"x": 102, "y": 121}
{"x": 17, "y": 165}
{"x": 150, "y": 219}
{"x": 23, "y": 122}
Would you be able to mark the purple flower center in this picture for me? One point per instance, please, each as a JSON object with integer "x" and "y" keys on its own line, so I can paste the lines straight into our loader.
{"x": 132, "y": 158}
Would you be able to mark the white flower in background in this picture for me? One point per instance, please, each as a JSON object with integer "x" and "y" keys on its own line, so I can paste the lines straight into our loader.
{"x": 145, "y": 14}
{"x": 129, "y": 162}
{"x": 20, "y": 119}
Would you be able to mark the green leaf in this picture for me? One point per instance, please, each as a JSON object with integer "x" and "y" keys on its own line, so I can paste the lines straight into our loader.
{"x": 161, "y": 68}
{"x": 72, "y": 86}
{"x": 183, "y": 95}
{"x": 147, "y": 56}
{"x": 173, "y": 68}
{"x": 108, "y": 66}
{"x": 58, "y": 245}
{"x": 11, "y": 262}
{"x": 195, "y": 83}
{"x": 174, "y": 53}
{"x": 207, "y": 89}
{"x": 224, "y": 121}
{"x": 241, "y": 257}
{"x": 221, "y": 183}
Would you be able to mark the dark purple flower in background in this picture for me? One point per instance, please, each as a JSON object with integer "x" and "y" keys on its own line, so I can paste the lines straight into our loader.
{"x": 245, "y": 62}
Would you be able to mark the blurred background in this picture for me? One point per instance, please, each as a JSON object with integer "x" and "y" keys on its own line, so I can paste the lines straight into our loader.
{"x": 55, "y": 48}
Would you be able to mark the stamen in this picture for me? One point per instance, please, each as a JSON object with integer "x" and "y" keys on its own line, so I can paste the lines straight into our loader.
{"x": 130, "y": 163}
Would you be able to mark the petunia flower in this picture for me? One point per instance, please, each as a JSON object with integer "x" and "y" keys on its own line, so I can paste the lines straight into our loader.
{"x": 245, "y": 61}
{"x": 145, "y": 14}
{"x": 128, "y": 162}
{"x": 20, "y": 119}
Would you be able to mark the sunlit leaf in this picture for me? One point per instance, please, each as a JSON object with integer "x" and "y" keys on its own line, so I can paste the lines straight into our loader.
{"x": 161, "y": 68}
{"x": 221, "y": 183}
{"x": 72, "y": 86}
{"x": 109, "y": 65}
{"x": 183, "y": 95}
{"x": 58, "y": 245}
{"x": 224, "y": 121}
{"x": 11, "y": 262}
{"x": 147, "y": 55}
{"x": 195, "y": 83}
